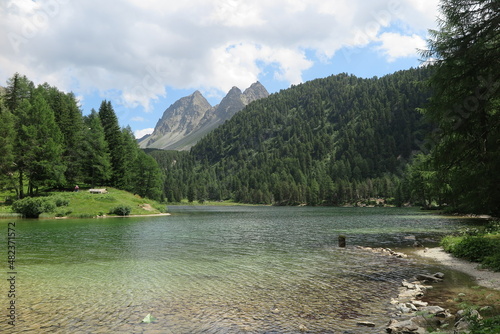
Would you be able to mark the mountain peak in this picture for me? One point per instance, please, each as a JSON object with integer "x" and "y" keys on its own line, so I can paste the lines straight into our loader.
{"x": 234, "y": 90}
{"x": 255, "y": 91}
{"x": 191, "y": 117}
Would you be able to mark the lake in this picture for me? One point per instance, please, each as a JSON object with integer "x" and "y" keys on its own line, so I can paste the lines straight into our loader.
{"x": 214, "y": 270}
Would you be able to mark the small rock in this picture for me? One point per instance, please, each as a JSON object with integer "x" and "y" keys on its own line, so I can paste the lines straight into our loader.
{"x": 436, "y": 311}
{"x": 366, "y": 324}
{"x": 407, "y": 326}
{"x": 428, "y": 278}
{"x": 302, "y": 328}
{"x": 418, "y": 244}
{"x": 403, "y": 308}
{"x": 439, "y": 275}
{"x": 412, "y": 307}
{"x": 419, "y": 303}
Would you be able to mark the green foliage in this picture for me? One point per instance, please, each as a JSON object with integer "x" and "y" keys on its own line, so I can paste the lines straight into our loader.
{"x": 329, "y": 141}
{"x": 47, "y": 143}
{"x": 82, "y": 204}
{"x": 485, "y": 326}
{"x": 484, "y": 248}
{"x": 32, "y": 207}
{"x": 115, "y": 140}
{"x": 121, "y": 210}
{"x": 465, "y": 104}
{"x": 60, "y": 201}
{"x": 96, "y": 161}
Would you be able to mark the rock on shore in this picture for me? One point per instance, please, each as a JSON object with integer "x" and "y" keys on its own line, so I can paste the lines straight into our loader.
{"x": 412, "y": 315}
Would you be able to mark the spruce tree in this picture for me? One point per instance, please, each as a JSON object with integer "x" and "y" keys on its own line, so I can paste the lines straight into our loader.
{"x": 466, "y": 102}
{"x": 96, "y": 161}
{"x": 114, "y": 139}
{"x": 7, "y": 139}
{"x": 39, "y": 145}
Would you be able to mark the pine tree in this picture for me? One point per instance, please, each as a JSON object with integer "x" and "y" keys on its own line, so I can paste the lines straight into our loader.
{"x": 148, "y": 178}
{"x": 96, "y": 161}
{"x": 466, "y": 101}
{"x": 18, "y": 89}
{"x": 130, "y": 154}
{"x": 7, "y": 140}
{"x": 115, "y": 141}
{"x": 38, "y": 145}
{"x": 69, "y": 119}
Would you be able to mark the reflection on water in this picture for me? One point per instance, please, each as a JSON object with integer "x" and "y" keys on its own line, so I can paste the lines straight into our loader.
{"x": 215, "y": 270}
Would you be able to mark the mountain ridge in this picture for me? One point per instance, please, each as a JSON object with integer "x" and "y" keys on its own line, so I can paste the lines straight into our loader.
{"x": 191, "y": 117}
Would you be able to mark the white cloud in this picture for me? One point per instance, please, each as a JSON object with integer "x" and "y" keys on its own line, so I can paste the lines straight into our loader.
{"x": 137, "y": 119}
{"x": 133, "y": 49}
{"x": 396, "y": 46}
{"x": 141, "y": 133}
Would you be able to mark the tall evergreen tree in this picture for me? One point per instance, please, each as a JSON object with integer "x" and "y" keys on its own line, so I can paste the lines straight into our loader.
{"x": 148, "y": 179}
{"x": 69, "y": 119}
{"x": 18, "y": 89}
{"x": 130, "y": 153}
{"x": 7, "y": 139}
{"x": 38, "y": 145}
{"x": 114, "y": 138}
{"x": 96, "y": 161}
{"x": 466, "y": 102}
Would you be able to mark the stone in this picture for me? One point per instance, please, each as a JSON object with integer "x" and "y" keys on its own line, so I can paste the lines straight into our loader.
{"x": 366, "y": 324}
{"x": 439, "y": 275}
{"x": 407, "y": 326}
{"x": 462, "y": 324}
{"x": 419, "y": 303}
{"x": 437, "y": 311}
{"x": 428, "y": 278}
{"x": 402, "y": 308}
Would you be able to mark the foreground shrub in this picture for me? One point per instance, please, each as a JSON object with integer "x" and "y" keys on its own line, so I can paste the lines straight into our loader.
{"x": 486, "y": 326}
{"x": 32, "y": 207}
{"x": 475, "y": 248}
{"x": 484, "y": 249}
{"x": 122, "y": 210}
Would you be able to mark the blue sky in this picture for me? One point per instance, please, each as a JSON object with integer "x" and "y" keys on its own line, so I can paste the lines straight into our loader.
{"x": 143, "y": 55}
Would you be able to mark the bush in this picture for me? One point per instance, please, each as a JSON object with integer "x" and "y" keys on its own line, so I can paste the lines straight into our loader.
{"x": 484, "y": 249}
{"x": 475, "y": 248}
{"x": 492, "y": 262}
{"x": 60, "y": 201}
{"x": 32, "y": 207}
{"x": 122, "y": 210}
{"x": 449, "y": 243}
{"x": 486, "y": 326}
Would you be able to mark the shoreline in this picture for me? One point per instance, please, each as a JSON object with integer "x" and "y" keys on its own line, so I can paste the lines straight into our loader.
{"x": 483, "y": 277}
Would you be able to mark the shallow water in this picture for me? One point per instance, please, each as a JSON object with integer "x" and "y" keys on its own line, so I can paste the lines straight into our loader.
{"x": 214, "y": 270}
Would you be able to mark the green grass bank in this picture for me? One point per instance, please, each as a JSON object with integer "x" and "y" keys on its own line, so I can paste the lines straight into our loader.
{"x": 83, "y": 204}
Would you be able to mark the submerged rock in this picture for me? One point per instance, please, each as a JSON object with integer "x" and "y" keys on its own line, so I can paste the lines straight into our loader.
{"x": 413, "y": 315}
{"x": 366, "y": 324}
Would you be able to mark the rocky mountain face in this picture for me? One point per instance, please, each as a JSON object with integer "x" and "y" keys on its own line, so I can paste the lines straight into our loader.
{"x": 191, "y": 117}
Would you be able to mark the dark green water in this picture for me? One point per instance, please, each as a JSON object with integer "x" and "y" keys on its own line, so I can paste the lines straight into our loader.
{"x": 213, "y": 270}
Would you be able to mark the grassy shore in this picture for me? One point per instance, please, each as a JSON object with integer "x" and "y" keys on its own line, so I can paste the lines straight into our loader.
{"x": 83, "y": 204}
{"x": 212, "y": 203}
{"x": 480, "y": 245}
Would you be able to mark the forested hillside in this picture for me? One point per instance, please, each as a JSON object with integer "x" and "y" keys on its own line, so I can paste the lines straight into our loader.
{"x": 328, "y": 141}
{"x": 46, "y": 143}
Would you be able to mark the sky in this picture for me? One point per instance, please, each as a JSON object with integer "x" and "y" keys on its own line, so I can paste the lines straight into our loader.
{"x": 143, "y": 55}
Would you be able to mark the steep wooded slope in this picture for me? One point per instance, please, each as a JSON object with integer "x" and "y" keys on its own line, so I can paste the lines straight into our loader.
{"x": 329, "y": 140}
